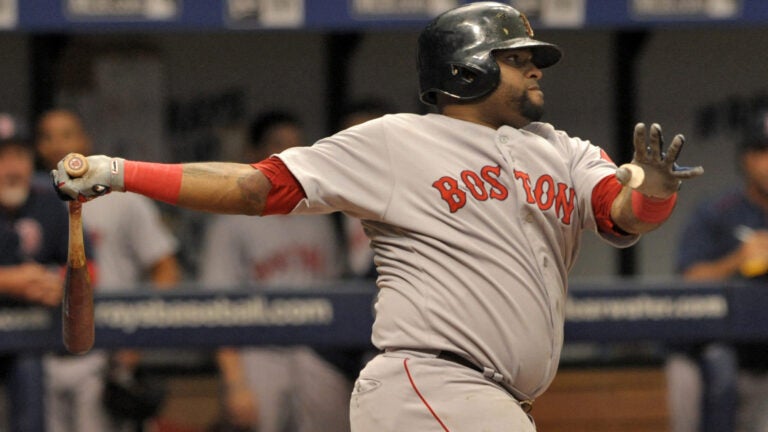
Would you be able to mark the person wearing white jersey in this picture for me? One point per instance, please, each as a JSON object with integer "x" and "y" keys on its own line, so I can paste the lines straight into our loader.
{"x": 133, "y": 247}
{"x": 265, "y": 388}
{"x": 475, "y": 215}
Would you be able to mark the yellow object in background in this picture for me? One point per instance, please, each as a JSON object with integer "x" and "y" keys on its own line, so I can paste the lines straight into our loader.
{"x": 754, "y": 267}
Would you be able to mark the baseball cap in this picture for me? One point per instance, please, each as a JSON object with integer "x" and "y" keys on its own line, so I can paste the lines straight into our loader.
{"x": 756, "y": 132}
{"x": 13, "y": 132}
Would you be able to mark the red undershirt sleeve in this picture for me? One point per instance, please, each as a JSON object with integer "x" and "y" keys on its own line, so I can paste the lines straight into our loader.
{"x": 154, "y": 180}
{"x": 286, "y": 191}
{"x": 602, "y": 199}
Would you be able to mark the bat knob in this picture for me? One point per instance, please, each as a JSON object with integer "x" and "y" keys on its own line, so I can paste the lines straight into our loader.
{"x": 630, "y": 175}
{"x": 75, "y": 164}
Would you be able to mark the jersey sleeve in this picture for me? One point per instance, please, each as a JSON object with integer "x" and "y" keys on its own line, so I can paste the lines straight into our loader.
{"x": 703, "y": 238}
{"x": 285, "y": 192}
{"x": 57, "y": 234}
{"x": 591, "y": 165}
{"x": 603, "y": 195}
{"x": 53, "y": 217}
{"x": 349, "y": 172}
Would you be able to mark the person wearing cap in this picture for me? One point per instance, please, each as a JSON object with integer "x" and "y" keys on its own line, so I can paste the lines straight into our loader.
{"x": 718, "y": 386}
{"x": 135, "y": 251}
{"x": 33, "y": 252}
{"x": 33, "y": 225}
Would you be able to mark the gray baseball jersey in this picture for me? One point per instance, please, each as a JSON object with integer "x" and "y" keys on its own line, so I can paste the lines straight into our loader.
{"x": 291, "y": 251}
{"x": 283, "y": 252}
{"x": 474, "y": 231}
{"x": 129, "y": 236}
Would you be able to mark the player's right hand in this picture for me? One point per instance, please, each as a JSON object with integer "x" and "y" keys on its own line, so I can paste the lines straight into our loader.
{"x": 105, "y": 174}
{"x": 36, "y": 284}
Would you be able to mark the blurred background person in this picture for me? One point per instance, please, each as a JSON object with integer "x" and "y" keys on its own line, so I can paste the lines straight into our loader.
{"x": 34, "y": 229}
{"x": 720, "y": 386}
{"x": 34, "y": 233}
{"x": 133, "y": 248}
{"x": 277, "y": 389}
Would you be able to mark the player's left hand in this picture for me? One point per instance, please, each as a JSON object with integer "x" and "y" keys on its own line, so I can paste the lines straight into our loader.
{"x": 105, "y": 174}
{"x": 658, "y": 175}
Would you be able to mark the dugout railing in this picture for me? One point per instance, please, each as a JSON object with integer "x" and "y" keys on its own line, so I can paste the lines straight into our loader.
{"x": 340, "y": 315}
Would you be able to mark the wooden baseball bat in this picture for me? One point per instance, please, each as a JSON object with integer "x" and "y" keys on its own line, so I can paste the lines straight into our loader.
{"x": 77, "y": 309}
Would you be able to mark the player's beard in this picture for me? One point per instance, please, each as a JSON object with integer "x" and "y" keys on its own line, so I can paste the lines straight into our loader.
{"x": 13, "y": 197}
{"x": 531, "y": 110}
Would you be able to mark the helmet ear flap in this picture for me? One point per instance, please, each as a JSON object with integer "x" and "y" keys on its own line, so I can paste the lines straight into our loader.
{"x": 468, "y": 80}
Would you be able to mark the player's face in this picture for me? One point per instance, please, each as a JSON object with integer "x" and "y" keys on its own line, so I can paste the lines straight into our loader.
{"x": 60, "y": 133}
{"x": 755, "y": 164}
{"x": 16, "y": 166}
{"x": 518, "y": 99}
{"x": 279, "y": 137}
{"x": 283, "y": 137}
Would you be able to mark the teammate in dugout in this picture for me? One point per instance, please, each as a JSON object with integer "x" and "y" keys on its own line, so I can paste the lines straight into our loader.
{"x": 723, "y": 386}
{"x": 263, "y": 387}
{"x": 475, "y": 214}
{"x": 132, "y": 247}
{"x": 33, "y": 255}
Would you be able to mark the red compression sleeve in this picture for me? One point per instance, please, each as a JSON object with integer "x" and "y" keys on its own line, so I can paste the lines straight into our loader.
{"x": 286, "y": 191}
{"x": 602, "y": 199}
{"x": 652, "y": 210}
{"x": 157, "y": 181}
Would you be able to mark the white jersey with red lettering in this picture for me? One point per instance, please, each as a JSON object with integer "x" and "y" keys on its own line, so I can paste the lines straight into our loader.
{"x": 291, "y": 252}
{"x": 474, "y": 231}
{"x": 283, "y": 253}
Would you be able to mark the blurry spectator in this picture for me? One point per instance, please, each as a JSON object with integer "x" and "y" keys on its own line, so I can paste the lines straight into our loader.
{"x": 276, "y": 389}
{"x": 726, "y": 238}
{"x": 33, "y": 250}
{"x": 34, "y": 228}
{"x": 359, "y": 252}
{"x": 133, "y": 247}
{"x": 363, "y": 110}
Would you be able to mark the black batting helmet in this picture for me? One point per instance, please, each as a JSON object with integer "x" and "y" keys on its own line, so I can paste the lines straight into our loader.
{"x": 454, "y": 51}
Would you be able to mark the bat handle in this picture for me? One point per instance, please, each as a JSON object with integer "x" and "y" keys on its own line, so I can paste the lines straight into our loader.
{"x": 75, "y": 164}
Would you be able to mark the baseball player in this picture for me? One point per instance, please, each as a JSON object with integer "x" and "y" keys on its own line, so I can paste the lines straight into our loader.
{"x": 33, "y": 253}
{"x": 264, "y": 388}
{"x": 475, "y": 215}
{"x": 723, "y": 386}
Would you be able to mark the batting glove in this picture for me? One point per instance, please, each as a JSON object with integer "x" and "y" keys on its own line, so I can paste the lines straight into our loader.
{"x": 105, "y": 174}
{"x": 653, "y": 172}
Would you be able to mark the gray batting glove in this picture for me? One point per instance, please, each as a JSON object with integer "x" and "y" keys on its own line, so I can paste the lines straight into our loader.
{"x": 105, "y": 174}
{"x": 653, "y": 172}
